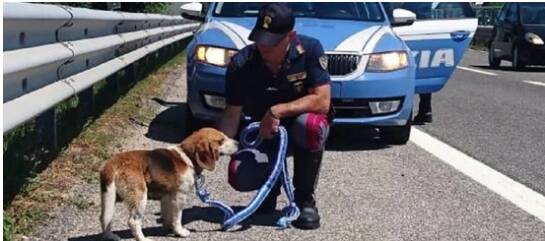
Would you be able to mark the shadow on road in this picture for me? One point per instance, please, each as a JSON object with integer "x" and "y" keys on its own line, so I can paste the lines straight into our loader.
{"x": 509, "y": 68}
{"x": 354, "y": 138}
{"x": 214, "y": 215}
{"x": 169, "y": 125}
{"x": 195, "y": 213}
{"x": 126, "y": 234}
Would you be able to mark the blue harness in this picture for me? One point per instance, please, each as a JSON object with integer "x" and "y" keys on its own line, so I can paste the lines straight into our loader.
{"x": 291, "y": 212}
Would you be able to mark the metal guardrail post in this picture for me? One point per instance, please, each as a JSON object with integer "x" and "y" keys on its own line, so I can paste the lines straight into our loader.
{"x": 46, "y": 125}
{"x": 162, "y": 56}
{"x": 149, "y": 64}
{"x": 131, "y": 73}
{"x": 154, "y": 60}
{"x": 86, "y": 105}
{"x": 113, "y": 83}
{"x": 172, "y": 50}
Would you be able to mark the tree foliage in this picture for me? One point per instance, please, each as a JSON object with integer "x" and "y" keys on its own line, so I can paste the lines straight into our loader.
{"x": 493, "y": 4}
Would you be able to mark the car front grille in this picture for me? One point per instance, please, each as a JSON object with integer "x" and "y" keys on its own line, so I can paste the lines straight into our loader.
{"x": 351, "y": 108}
{"x": 342, "y": 64}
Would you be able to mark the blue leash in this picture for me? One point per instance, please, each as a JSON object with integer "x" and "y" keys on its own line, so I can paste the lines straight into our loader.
{"x": 291, "y": 212}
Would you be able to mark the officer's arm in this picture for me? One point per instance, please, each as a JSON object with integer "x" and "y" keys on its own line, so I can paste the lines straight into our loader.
{"x": 230, "y": 120}
{"x": 316, "y": 101}
{"x": 234, "y": 87}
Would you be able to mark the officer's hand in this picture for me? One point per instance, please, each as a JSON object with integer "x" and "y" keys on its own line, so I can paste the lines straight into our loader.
{"x": 269, "y": 126}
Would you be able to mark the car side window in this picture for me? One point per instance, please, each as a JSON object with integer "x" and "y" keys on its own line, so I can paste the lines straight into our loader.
{"x": 503, "y": 13}
{"x": 512, "y": 13}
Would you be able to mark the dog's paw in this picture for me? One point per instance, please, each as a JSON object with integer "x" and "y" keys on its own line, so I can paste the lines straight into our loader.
{"x": 110, "y": 236}
{"x": 182, "y": 232}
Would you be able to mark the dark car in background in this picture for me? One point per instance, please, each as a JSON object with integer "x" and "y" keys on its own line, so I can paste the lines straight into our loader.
{"x": 518, "y": 35}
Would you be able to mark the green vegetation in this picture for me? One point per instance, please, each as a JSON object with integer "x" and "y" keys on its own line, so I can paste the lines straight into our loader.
{"x": 493, "y": 4}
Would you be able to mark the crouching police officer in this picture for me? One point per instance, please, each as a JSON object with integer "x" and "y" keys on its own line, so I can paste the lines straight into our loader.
{"x": 282, "y": 80}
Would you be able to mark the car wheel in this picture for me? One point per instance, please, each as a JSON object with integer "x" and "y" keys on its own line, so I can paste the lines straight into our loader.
{"x": 517, "y": 63}
{"x": 492, "y": 60}
{"x": 397, "y": 135}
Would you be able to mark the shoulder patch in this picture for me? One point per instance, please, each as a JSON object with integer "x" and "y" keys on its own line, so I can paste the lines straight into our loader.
{"x": 300, "y": 48}
{"x": 323, "y": 61}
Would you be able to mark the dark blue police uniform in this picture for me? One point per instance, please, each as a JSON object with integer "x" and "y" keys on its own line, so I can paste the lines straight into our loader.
{"x": 251, "y": 84}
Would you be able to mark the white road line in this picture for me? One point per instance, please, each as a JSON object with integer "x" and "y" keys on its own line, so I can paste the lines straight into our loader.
{"x": 477, "y": 50}
{"x": 534, "y": 82}
{"x": 522, "y": 196}
{"x": 476, "y": 71}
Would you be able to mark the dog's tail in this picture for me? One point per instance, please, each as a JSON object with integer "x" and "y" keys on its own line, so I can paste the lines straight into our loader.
{"x": 108, "y": 195}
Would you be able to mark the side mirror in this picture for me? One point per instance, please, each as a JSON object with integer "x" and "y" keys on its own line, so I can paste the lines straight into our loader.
{"x": 403, "y": 17}
{"x": 192, "y": 11}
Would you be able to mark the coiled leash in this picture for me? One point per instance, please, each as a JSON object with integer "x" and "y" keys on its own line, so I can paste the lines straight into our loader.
{"x": 291, "y": 212}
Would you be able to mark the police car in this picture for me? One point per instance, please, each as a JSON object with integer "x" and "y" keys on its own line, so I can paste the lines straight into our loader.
{"x": 379, "y": 55}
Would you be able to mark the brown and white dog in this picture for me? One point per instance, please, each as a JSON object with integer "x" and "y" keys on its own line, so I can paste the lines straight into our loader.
{"x": 161, "y": 174}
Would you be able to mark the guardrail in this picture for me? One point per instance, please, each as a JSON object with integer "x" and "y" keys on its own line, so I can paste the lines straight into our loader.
{"x": 53, "y": 52}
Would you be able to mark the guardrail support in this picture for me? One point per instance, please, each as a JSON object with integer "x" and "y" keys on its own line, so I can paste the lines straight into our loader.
{"x": 46, "y": 125}
{"x": 113, "y": 82}
{"x": 162, "y": 55}
{"x": 86, "y": 105}
{"x": 131, "y": 73}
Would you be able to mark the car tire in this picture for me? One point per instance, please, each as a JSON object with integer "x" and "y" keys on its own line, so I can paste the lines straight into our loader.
{"x": 397, "y": 135}
{"x": 517, "y": 62}
{"x": 492, "y": 60}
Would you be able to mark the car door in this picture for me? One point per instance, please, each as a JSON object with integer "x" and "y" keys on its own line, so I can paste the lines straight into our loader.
{"x": 510, "y": 29}
{"x": 437, "y": 39}
{"x": 498, "y": 43}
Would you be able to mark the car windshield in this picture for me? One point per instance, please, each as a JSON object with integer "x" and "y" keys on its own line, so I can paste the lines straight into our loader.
{"x": 331, "y": 10}
{"x": 532, "y": 13}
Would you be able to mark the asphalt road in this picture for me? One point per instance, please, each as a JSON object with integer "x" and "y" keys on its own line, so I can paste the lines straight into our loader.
{"x": 498, "y": 119}
{"x": 371, "y": 191}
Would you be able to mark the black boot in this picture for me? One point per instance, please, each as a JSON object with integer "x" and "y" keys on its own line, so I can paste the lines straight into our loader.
{"x": 423, "y": 118}
{"x": 305, "y": 180}
{"x": 424, "y": 109}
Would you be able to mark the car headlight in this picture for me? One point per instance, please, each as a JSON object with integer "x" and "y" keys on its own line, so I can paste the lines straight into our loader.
{"x": 533, "y": 38}
{"x": 388, "y": 61}
{"x": 214, "y": 55}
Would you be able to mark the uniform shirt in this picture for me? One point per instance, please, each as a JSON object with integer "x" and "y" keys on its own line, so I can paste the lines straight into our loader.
{"x": 249, "y": 83}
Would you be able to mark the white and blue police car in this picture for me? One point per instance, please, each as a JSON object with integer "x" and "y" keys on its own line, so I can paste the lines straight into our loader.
{"x": 379, "y": 55}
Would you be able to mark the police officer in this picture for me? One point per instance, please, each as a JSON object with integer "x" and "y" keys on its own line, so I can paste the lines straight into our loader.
{"x": 282, "y": 79}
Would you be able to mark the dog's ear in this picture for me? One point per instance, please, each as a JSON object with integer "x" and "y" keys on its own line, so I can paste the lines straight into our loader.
{"x": 207, "y": 154}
